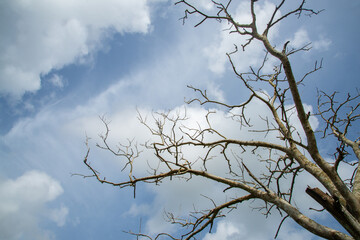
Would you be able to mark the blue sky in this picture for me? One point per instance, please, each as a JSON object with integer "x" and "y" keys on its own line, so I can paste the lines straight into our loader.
{"x": 64, "y": 63}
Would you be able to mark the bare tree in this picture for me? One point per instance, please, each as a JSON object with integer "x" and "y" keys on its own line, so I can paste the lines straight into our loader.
{"x": 293, "y": 156}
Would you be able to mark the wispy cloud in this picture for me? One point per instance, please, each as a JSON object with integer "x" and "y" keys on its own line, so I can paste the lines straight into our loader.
{"x": 57, "y": 81}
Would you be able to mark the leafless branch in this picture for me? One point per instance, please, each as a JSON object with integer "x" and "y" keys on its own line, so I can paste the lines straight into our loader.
{"x": 283, "y": 163}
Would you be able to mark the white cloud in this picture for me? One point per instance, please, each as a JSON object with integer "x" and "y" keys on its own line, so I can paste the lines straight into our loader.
{"x": 59, "y": 215}
{"x": 40, "y": 36}
{"x": 301, "y": 38}
{"x": 57, "y": 81}
{"x": 256, "y": 229}
{"x": 322, "y": 44}
{"x": 227, "y": 231}
{"x": 23, "y": 204}
{"x": 215, "y": 92}
{"x": 203, "y": 5}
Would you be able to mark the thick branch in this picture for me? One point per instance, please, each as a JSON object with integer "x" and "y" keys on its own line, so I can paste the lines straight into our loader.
{"x": 333, "y": 206}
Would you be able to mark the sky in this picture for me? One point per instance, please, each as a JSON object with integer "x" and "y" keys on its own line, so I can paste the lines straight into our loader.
{"x": 65, "y": 63}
